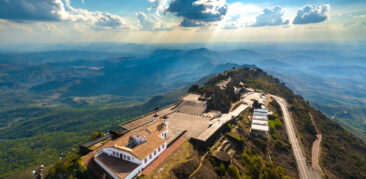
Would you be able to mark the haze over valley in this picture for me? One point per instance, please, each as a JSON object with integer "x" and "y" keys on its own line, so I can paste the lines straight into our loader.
{"x": 182, "y": 89}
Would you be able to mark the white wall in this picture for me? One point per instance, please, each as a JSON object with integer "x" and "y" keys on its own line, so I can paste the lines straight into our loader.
{"x": 164, "y": 133}
{"x": 141, "y": 164}
{"x": 148, "y": 160}
{"x": 134, "y": 172}
{"x": 118, "y": 153}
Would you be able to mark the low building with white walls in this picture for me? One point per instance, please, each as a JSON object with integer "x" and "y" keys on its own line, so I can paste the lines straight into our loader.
{"x": 259, "y": 127}
{"x": 128, "y": 155}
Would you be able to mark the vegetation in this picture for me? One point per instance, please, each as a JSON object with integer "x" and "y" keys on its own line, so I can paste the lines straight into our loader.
{"x": 343, "y": 154}
{"x": 274, "y": 123}
{"x": 181, "y": 155}
{"x": 259, "y": 168}
{"x": 234, "y": 137}
{"x": 48, "y": 134}
{"x": 70, "y": 167}
{"x": 233, "y": 171}
{"x": 97, "y": 135}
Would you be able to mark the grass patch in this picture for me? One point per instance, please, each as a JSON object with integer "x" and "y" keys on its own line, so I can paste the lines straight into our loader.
{"x": 182, "y": 154}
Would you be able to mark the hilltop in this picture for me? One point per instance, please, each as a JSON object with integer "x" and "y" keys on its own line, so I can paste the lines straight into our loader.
{"x": 252, "y": 156}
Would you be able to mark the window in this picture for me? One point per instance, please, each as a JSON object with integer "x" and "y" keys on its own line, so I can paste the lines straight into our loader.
{"x": 150, "y": 156}
{"x": 114, "y": 153}
{"x": 159, "y": 149}
{"x": 145, "y": 160}
{"x": 124, "y": 157}
{"x": 128, "y": 158}
{"x": 155, "y": 152}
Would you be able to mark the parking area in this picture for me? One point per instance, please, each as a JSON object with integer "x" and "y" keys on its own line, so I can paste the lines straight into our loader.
{"x": 194, "y": 124}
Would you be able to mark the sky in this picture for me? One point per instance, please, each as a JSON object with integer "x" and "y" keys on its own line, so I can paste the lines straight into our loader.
{"x": 181, "y": 21}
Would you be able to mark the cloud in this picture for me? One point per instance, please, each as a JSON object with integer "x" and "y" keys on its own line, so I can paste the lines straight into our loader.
{"x": 150, "y": 22}
{"x": 146, "y": 22}
{"x": 158, "y": 5}
{"x": 312, "y": 14}
{"x": 270, "y": 17}
{"x": 57, "y": 10}
{"x": 239, "y": 15}
{"x": 198, "y": 12}
{"x": 32, "y": 10}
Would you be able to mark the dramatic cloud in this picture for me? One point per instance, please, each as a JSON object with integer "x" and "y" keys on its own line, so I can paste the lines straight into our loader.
{"x": 37, "y": 10}
{"x": 198, "y": 12}
{"x": 270, "y": 17}
{"x": 312, "y": 14}
{"x": 57, "y": 10}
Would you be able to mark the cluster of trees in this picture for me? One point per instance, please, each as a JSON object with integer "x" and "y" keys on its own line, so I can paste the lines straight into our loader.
{"x": 259, "y": 168}
{"x": 70, "y": 167}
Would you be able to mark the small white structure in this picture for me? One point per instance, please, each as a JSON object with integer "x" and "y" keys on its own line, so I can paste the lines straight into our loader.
{"x": 264, "y": 118}
{"x": 260, "y": 122}
{"x": 259, "y": 130}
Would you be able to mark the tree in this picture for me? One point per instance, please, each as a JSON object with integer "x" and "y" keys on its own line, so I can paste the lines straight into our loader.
{"x": 96, "y": 135}
{"x": 233, "y": 171}
{"x": 194, "y": 89}
{"x": 256, "y": 104}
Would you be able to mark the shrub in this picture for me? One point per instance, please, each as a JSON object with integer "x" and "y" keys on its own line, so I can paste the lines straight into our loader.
{"x": 275, "y": 136}
{"x": 222, "y": 169}
{"x": 235, "y": 137}
{"x": 229, "y": 126}
{"x": 96, "y": 135}
{"x": 233, "y": 171}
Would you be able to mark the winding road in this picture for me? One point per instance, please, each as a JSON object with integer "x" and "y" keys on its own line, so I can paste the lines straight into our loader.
{"x": 304, "y": 171}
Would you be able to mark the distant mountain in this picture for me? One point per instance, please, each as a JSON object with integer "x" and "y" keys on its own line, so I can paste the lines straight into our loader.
{"x": 162, "y": 70}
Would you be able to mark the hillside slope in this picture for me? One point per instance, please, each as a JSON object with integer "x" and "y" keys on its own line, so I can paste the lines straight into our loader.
{"x": 343, "y": 155}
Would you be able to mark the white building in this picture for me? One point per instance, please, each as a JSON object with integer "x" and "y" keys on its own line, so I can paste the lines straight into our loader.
{"x": 259, "y": 130}
{"x": 128, "y": 155}
{"x": 259, "y": 125}
{"x": 260, "y": 122}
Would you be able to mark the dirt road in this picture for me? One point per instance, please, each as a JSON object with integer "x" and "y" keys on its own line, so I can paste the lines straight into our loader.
{"x": 315, "y": 151}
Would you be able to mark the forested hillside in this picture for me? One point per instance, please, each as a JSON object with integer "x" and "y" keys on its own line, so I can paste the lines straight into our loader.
{"x": 51, "y": 133}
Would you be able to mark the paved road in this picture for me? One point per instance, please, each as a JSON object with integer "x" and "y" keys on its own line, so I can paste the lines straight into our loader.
{"x": 304, "y": 171}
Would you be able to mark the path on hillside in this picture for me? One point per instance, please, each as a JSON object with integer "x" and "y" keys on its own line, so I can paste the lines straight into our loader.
{"x": 304, "y": 171}
{"x": 315, "y": 152}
